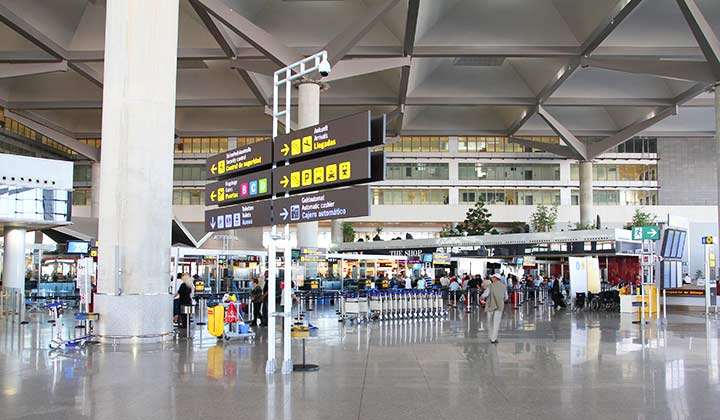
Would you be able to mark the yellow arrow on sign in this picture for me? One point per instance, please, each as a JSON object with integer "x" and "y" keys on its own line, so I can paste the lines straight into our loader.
{"x": 285, "y": 149}
{"x": 213, "y": 168}
{"x": 212, "y": 196}
{"x": 284, "y": 181}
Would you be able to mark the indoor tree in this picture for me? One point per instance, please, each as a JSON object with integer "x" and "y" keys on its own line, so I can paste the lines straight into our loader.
{"x": 544, "y": 218}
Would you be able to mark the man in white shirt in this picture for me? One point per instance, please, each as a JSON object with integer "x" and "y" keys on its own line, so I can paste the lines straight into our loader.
{"x": 444, "y": 281}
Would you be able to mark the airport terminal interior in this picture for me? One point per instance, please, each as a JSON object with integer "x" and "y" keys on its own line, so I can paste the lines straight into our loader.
{"x": 359, "y": 209}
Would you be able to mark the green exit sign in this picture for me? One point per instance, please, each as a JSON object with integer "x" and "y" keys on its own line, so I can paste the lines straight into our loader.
{"x": 640, "y": 233}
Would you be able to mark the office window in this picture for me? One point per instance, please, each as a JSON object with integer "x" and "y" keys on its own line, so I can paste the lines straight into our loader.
{"x": 426, "y": 171}
{"x": 205, "y": 145}
{"x": 510, "y": 197}
{"x": 496, "y": 144}
{"x": 189, "y": 173}
{"x": 82, "y": 197}
{"x": 188, "y": 197}
{"x": 620, "y": 197}
{"x": 397, "y": 196}
{"x": 419, "y": 144}
{"x": 82, "y": 173}
{"x": 619, "y": 172}
{"x": 508, "y": 172}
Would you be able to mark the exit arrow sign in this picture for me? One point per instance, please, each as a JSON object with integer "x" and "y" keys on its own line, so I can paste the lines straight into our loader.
{"x": 641, "y": 233}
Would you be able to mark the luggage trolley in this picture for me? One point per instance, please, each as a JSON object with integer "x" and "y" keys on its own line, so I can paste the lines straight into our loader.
{"x": 355, "y": 307}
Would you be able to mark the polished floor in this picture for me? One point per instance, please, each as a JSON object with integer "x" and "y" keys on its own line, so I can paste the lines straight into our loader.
{"x": 548, "y": 365}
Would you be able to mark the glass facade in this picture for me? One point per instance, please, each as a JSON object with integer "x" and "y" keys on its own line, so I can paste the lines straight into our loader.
{"x": 188, "y": 197}
{"x": 508, "y": 172}
{"x": 189, "y": 173}
{"x": 620, "y": 197}
{"x": 91, "y": 142}
{"x": 510, "y": 197}
{"x": 82, "y": 197}
{"x": 637, "y": 145}
{"x": 386, "y": 196}
{"x": 82, "y": 173}
{"x": 619, "y": 172}
{"x": 499, "y": 144}
{"x": 409, "y": 171}
{"x": 204, "y": 145}
{"x": 419, "y": 144}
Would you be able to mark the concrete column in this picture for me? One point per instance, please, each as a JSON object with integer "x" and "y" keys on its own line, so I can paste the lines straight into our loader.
{"x": 138, "y": 126}
{"x": 14, "y": 268}
{"x": 308, "y": 114}
{"x": 586, "y": 193}
{"x": 717, "y": 148}
{"x": 95, "y": 191}
{"x": 336, "y": 232}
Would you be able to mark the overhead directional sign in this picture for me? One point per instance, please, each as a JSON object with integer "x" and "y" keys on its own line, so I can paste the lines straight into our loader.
{"x": 325, "y": 205}
{"x": 251, "y": 157}
{"x": 329, "y": 137}
{"x": 641, "y": 233}
{"x": 239, "y": 216}
{"x": 339, "y": 169}
{"x": 238, "y": 189}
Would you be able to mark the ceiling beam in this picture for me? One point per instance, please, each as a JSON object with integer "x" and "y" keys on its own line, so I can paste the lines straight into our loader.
{"x": 264, "y": 42}
{"x": 26, "y": 69}
{"x": 621, "y": 11}
{"x": 343, "y": 42}
{"x": 218, "y": 33}
{"x": 570, "y": 140}
{"x": 696, "y": 71}
{"x": 602, "y": 146}
{"x": 411, "y": 22}
{"x": 66, "y": 140}
{"x": 32, "y": 34}
{"x": 254, "y": 87}
{"x": 704, "y": 34}
{"x": 556, "y": 149}
{"x": 350, "y": 68}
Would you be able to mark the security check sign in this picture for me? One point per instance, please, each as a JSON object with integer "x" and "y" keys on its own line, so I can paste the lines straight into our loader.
{"x": 243, "y": 159}
{"x": 642, "y": 233}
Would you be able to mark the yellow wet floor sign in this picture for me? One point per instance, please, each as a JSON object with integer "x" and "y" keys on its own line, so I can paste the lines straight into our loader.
{"x": 216, "y": 320}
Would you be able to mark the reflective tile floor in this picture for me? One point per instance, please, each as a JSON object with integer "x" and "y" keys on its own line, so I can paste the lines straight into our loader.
{"x": 548, "y": 365}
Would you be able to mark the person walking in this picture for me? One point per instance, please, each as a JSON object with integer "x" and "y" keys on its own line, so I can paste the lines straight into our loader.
{"x": 257, "y": 300}
{"x": 495, "y": 297}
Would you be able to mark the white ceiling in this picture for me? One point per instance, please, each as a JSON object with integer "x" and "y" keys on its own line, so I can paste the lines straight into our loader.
{"x": 538, "y": 38}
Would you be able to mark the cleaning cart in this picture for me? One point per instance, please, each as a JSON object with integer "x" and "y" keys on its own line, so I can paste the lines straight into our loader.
{"x": 225, "y": 321}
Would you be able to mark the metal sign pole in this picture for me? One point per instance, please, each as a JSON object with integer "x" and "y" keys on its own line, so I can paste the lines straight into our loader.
{"x": 707, "y": 279}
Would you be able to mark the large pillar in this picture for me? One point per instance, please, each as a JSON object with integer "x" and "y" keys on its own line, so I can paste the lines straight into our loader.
{"x": 308, "y": 114}
{"x": 95, "y": 190}
{"x": 138, "y": 125}
{"x": 14, "y": 268}
{"x": 717, "y": 149}
{"x": 586, "y": 193}
{"x": 336, "y": 232}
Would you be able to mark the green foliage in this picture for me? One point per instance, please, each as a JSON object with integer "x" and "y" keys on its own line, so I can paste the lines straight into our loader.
{"x": 348, "y": 232}
{"x": 450, "y": 231}
{"x": 642, "y": 218}
{"x": 477, "y": 221}
{"x": 580, "y": 226}
{"x": 519, "y": 227}
{"x": 544, "y": 218}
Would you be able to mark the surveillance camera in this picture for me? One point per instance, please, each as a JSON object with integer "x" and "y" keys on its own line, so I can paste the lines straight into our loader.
{"x": 324, "y": 68}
